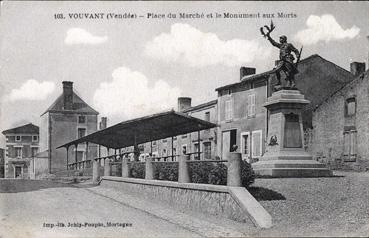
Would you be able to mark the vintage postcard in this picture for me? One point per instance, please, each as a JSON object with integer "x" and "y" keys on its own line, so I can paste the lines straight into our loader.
{"x": 184, "y": 119}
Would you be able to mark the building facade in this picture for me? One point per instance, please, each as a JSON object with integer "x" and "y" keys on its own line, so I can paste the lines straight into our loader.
{"x": 68, "y": 118}
{"x": 22, "y": 145}
{"x": 341, "y": 123}
{"x": 242, "y": 118}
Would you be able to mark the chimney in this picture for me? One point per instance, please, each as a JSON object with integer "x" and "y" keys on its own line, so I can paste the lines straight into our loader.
{"x": 68, "y": 95}
{"x": 184, "y": 103}
{"x": 103, "y": 123}
{"x": 246, "y": 71}
{"x": 357, "y": 68}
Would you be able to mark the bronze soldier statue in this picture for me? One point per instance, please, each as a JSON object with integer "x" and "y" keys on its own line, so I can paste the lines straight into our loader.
{"x": 286, "y": 58}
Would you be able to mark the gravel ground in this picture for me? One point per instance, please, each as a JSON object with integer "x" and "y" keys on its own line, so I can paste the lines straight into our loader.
{"x": 334, "y": 206}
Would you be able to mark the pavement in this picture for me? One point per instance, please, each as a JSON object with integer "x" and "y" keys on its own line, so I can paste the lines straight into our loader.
{"x": 37, "y": 212}
{"x": 49, "y": 209}
{"x": 328, "y": 206}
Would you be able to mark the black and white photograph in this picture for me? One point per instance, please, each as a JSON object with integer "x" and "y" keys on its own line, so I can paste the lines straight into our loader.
{"x": 184, "y": 119}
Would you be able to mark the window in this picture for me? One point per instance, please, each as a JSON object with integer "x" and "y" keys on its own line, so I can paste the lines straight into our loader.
{"x": 81, "y": 132}
{"x": 228, "y": 110}
{"x": 34, "y": 138}
{"x": 251, "y": 105}
{"x": 164, "y": 140}
{"x": 81, "y": 119}
{"x": 184, "y": 136}
{"x": 18, "y": 152}
{"x": 350, "y": 106}
{"x": 207, "y": 116}
{"x": 164, "y": 152}
{"x": 207, "y": 150}
{"x": 245, "y": 143}
{"x": 174, "y": 151}
{"x": 17, "y": 138}
{"x": 256, "y": 143}
{"x": 154, "y": 143}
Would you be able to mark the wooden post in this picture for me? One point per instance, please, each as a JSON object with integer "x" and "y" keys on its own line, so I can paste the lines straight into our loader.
{"x": 183, "y": 173}
{"x": 198, "y": 142}
{"x": 67, "y": 156}
{"x": 86, "y": 151}
{"x": 234, "y": 169}
{"x": 172, "y": 150}
{"x": 75, "y": 153}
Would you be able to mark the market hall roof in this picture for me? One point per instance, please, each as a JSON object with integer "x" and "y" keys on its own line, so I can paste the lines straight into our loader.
{"x": 144, "y": 129}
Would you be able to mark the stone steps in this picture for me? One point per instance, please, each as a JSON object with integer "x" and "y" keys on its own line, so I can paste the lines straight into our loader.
{"x": 294, "y": 172}
{"x": 288, "y": 164}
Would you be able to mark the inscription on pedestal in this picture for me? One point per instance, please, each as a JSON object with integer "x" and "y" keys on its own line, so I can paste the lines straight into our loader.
{"x": 292, "y": 132}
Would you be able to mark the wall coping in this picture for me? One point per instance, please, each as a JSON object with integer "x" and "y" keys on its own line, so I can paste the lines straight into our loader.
{"x": 161, "y": 183}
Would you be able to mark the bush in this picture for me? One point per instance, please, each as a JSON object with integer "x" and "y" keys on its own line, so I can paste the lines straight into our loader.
{"x": 166, "y": 171}
{"x": 137, "y": 170}
{"x": 216, "y": 173}
{"x": 199, "y": 171}
{"x": 247, "y": 174}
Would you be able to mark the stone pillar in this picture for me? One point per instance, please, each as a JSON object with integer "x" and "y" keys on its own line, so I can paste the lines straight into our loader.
{"x": 149, "y": 169}
{"x": 125, "y": 168}
{"x": 183, "y": 173}
{"x": 234, "y": 169}
{"x": 95, "y": 171}
{"x": 107, "y": 167}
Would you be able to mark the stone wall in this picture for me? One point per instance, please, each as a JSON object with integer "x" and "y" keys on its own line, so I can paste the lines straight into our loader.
{"x": 231, "y": 202}
{"x": 330, "y": 122}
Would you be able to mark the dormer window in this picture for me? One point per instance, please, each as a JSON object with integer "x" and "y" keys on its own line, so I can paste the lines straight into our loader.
{"x": 18, "y": 138}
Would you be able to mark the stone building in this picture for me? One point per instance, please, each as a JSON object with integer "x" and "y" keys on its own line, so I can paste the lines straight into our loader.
{"x": 242, "y": 119}
{"x": 22, "y": 144}
{"x": 340, "y": 123}
{"x": 68, "y": 118}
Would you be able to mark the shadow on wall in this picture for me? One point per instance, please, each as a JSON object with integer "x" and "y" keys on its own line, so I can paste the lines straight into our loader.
{"x": 264, "y": 194}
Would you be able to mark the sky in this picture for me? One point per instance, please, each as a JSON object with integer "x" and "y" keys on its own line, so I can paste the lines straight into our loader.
{"x": 130, "y": 67}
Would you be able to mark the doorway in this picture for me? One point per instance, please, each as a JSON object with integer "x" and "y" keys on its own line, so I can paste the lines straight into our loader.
{"x": 228, "y": 140}
{"x": 18, "y": 172}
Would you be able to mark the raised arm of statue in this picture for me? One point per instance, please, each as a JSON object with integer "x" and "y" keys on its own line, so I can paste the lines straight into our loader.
{"x": 273, "y": 42}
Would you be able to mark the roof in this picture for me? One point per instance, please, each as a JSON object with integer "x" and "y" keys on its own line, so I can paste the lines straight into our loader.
{"x": 25, "y": 129}
{"x": 266, "y": 74}
{"x": 78, "y": 105}
{"x": 360, "y": 76}
{"x": 200, "y": 106}
{"x": 144, "y": 129}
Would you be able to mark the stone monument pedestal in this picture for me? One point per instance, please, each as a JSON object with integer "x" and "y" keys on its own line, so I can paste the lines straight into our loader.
{"x": 285, "y": 155}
